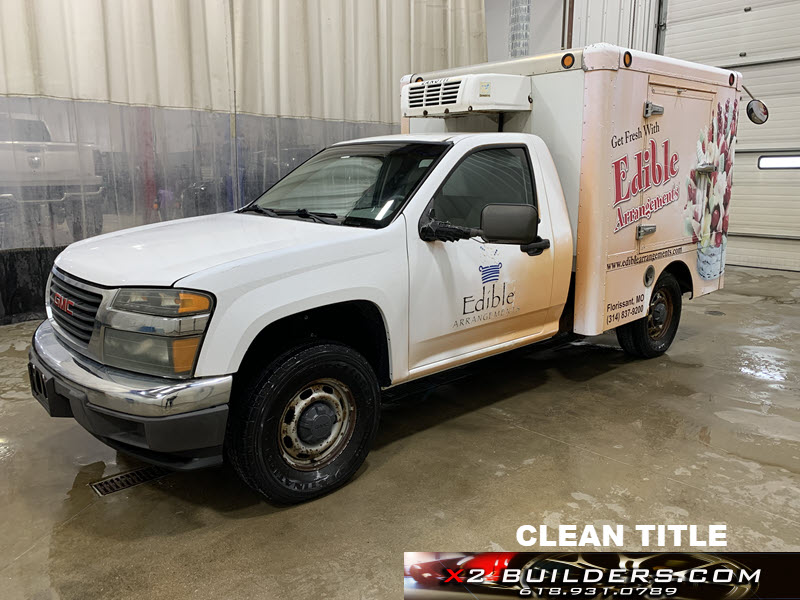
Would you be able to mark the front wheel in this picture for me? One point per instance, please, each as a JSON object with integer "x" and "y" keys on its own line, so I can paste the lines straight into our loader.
{"x": 652, "y": 335}
{"x": 305, "y": 426}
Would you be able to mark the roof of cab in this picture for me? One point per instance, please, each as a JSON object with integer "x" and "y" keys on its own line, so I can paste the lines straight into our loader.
{"x": 412, "y": 137}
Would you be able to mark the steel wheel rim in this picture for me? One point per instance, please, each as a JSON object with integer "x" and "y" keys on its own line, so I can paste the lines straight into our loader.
{"x": 333, "y": 397}
{"x": 658, "y": 325}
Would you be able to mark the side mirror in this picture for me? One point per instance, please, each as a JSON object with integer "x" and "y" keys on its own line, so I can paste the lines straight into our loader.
{"x": 510, "y": 223}
{"x": 757, "y": 112}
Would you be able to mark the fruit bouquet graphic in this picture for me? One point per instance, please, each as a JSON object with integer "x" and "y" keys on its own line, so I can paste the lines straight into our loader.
{"x": 709, "y": 190}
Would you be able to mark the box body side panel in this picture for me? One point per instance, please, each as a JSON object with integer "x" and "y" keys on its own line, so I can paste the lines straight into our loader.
{"x": 558, "y": 118}
{"x": 640, "y": 190}
{"x": 654, "y": 190}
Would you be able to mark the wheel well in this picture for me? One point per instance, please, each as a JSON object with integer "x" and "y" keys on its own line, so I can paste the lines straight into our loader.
{"x": 358, "y": 324}
{"x": 681, "y": 272}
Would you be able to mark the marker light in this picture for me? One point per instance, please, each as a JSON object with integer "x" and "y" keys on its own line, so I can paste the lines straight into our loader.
{"x": 567, "y": 60}
{"x": 184, "y": 352}
{"x": 191, "y": 302}
{"x": 627, "y": 58}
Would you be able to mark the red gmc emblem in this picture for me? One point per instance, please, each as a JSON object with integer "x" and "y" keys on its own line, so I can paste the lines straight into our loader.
{"x": 63, "y": 303}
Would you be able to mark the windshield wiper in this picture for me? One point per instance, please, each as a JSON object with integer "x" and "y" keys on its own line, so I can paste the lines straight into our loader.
{"x": 259, "y": 209}
{"x": 319, "y": 217}
{"x": 303, "y": 213}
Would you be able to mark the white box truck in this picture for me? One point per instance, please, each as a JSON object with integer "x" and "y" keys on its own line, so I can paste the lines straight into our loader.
{"x": 569, "y": 193}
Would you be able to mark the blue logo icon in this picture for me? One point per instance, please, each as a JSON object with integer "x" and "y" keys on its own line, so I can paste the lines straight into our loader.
{"x": 490, "y": 273}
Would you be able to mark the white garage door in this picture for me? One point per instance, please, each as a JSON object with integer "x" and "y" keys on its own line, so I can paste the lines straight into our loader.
{"x": 759, "y": 38}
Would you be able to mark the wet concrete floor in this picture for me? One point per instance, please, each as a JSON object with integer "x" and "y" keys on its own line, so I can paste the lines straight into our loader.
{"x": 709, "y": 433}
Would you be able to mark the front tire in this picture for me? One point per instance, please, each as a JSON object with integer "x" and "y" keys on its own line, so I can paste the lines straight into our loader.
{"x": 305, "y": 425}
{"x": 652, "y": 335}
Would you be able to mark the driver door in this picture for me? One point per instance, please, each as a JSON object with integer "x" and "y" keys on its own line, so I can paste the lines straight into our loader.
{"x": 470, "y": 296}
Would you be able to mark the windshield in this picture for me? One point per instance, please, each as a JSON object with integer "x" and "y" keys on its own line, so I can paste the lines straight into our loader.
{"x": 361, "y": 184}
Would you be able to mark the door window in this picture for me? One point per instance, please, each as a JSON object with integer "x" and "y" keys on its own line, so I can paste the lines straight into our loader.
{"x": 491, "y": 176}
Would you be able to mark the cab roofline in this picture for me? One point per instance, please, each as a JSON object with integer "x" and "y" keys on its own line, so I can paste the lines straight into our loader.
{"x": 451, "y": 138}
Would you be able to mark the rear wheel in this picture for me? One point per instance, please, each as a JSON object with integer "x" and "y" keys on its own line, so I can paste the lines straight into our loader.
{"x": 305, "y": 425}
{"x": 652, "y": 335}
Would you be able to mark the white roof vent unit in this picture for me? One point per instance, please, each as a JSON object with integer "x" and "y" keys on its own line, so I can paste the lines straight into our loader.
{"x": 486, "y": 93}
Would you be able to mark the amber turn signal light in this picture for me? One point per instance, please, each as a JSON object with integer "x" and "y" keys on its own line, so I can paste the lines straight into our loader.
{"x": 184, "y": 351}
{"x": 193, "y": 303}
{"x": 627, "y": 58}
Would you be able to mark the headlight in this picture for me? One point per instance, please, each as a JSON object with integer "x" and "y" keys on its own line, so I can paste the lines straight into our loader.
{"x": 152, "y": 354}
{"x": 165, "y": 303}
{"x": 156, "y": 331}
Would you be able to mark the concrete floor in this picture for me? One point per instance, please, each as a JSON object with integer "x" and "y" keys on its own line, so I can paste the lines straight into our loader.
{"x": 709, "y": 433}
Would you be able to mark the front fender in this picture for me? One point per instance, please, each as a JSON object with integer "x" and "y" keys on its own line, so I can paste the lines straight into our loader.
{"x": 253, "y": 293}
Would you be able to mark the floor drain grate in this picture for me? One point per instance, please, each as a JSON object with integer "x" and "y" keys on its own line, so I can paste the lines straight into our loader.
{"x": 123, "y": 481}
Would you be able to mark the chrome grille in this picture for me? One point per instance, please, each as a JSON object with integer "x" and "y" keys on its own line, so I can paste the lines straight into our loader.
{"x": 84, "y": 305}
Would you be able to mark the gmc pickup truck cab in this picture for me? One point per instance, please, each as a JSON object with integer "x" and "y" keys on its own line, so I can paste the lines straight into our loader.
{"x": 576, "y": 193}
{"x": 38, "y": 176}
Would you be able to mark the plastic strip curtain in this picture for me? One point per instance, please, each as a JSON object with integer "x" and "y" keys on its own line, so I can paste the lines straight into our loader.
{"x": 115, "y": 114}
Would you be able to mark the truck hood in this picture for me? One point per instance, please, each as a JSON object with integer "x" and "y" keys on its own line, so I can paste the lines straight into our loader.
{"x": 163, "y": 253}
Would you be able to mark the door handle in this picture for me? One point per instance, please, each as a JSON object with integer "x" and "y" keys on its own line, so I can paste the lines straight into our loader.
{"x": 535, "y": 248}
{"x": 643, "y": 230}
{"x": 651, "y": 109}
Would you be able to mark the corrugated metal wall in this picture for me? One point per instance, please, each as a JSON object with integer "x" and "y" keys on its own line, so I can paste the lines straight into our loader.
{"x": 185, "y": 107}
{"x": 760, "y": 39}
{"x": 628, "y": 23}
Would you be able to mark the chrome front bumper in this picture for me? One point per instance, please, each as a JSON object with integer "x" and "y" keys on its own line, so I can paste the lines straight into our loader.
{"x": 126, "y": 392}
{"x": 178, "y": 424}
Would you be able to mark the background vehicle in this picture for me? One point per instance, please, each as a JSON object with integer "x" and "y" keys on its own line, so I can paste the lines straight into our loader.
{"x": 45, "y": 181}
{"x": 267, "y": 334}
